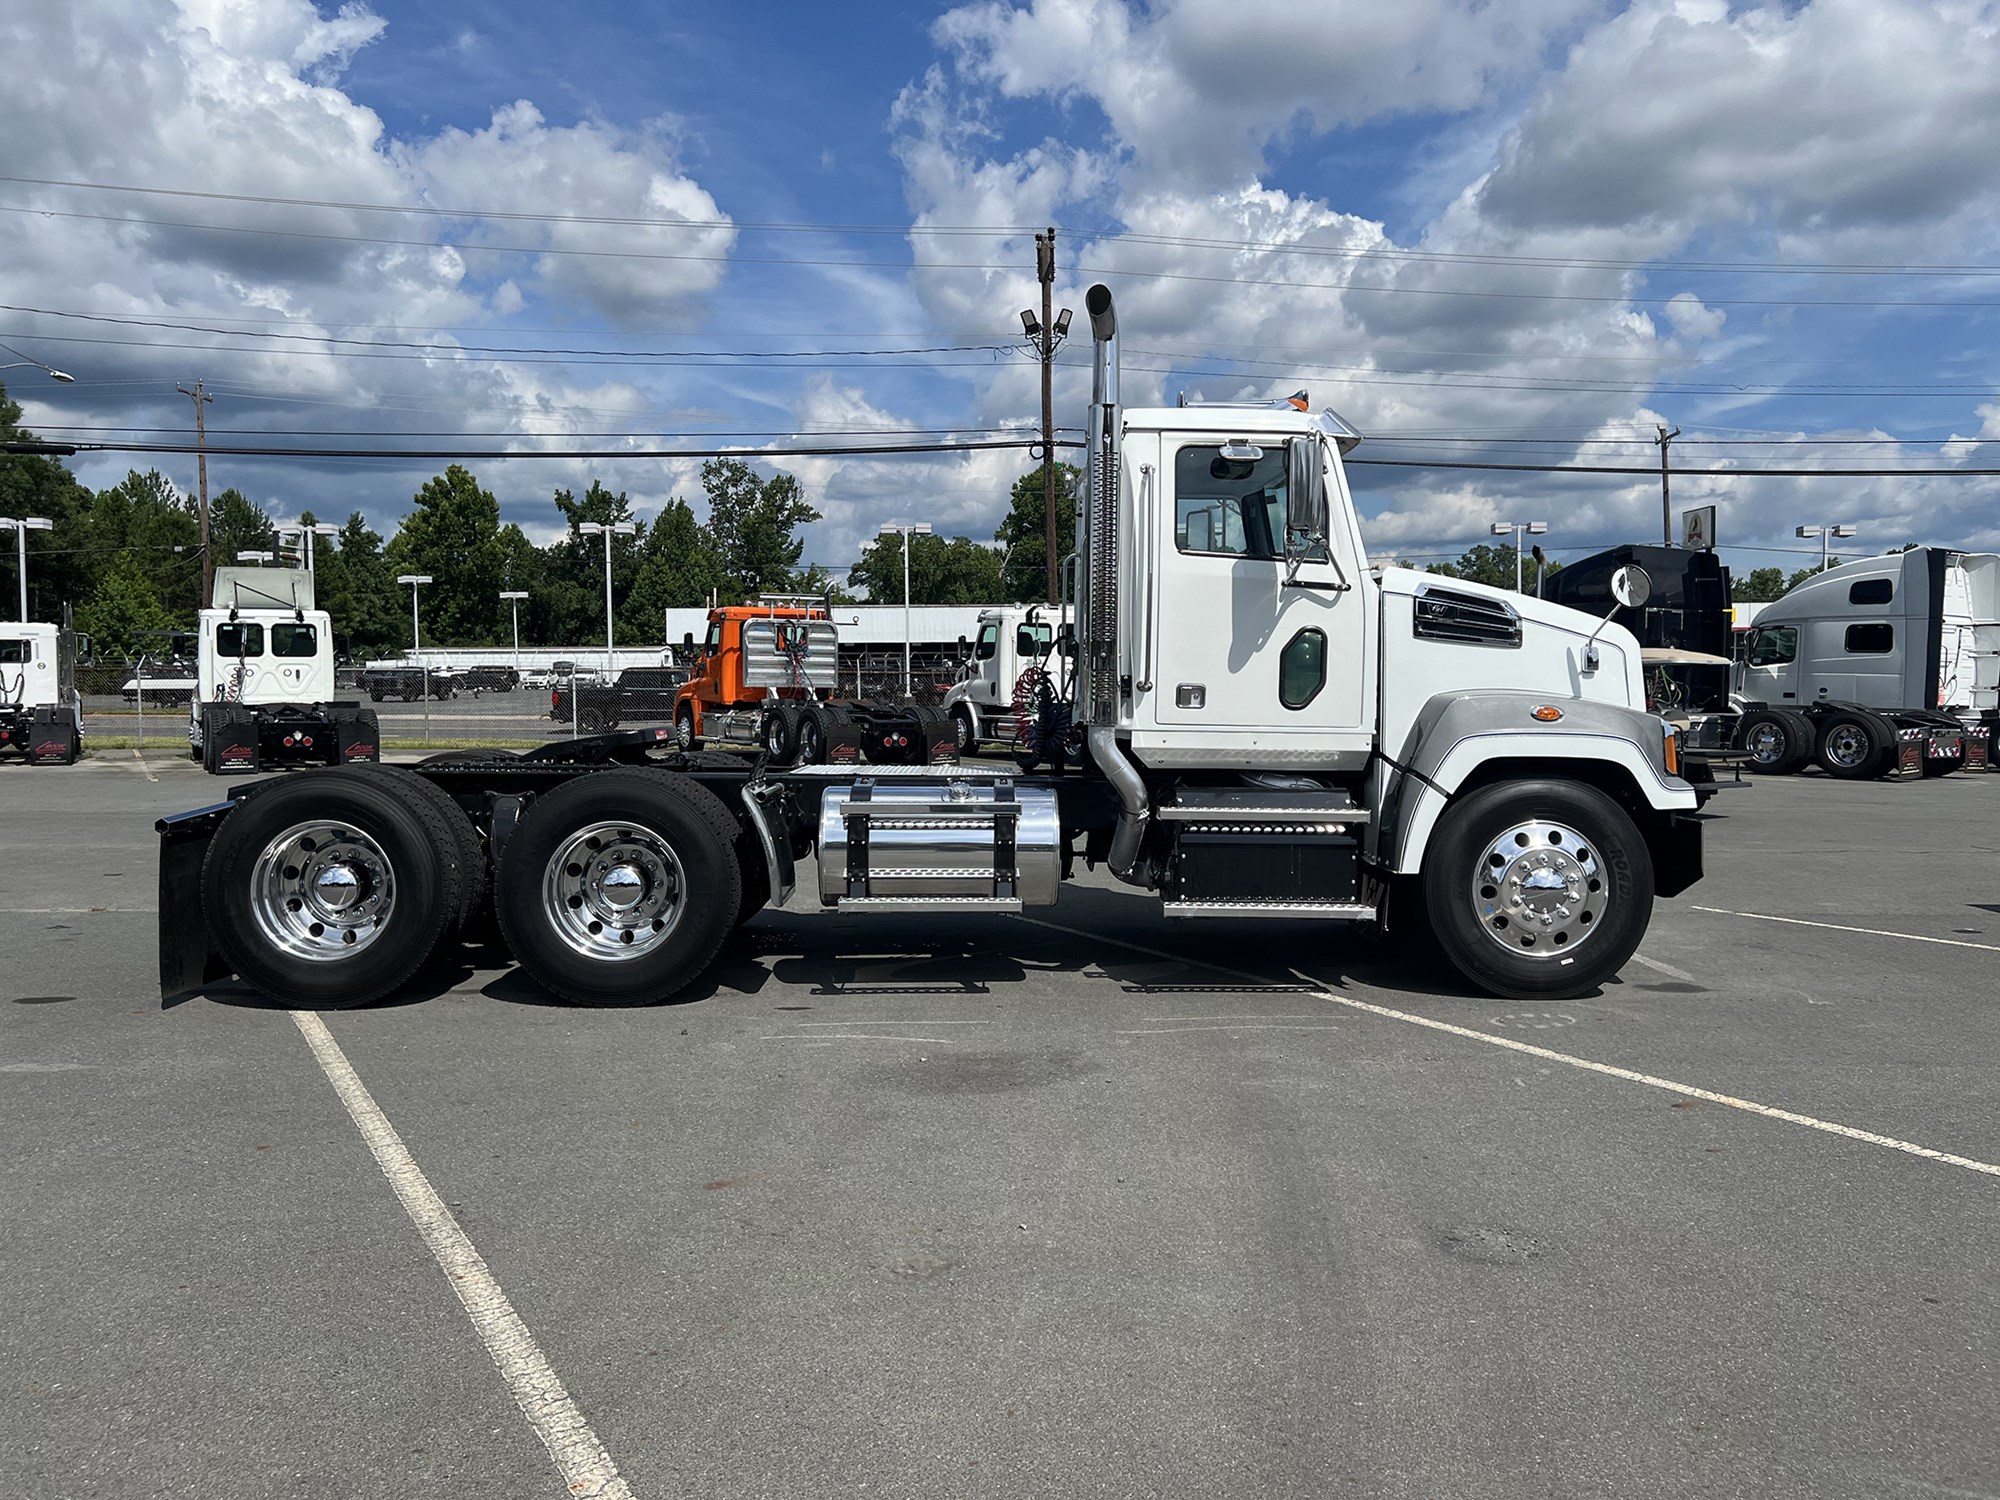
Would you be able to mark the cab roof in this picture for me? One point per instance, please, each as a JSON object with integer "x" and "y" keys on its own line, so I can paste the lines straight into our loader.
{"x": 1229, "y": 417}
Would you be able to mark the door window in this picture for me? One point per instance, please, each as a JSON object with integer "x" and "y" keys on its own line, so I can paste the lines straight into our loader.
{"x": 989, "y": 642}
{"x": 1774, "y": 646}
{"x": 1232, "y": 507}
{"x": 239, "y": 640}
{"x": 295, "y": 641}
{"x": 712, "y": 642}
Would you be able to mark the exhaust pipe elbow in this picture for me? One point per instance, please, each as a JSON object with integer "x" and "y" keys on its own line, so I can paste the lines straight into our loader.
{"x": 1134, "y": 812}
{"x": 1103, "y": 317}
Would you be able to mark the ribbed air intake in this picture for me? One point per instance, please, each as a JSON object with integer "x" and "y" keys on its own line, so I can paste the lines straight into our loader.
{"x": 1098, "y": 626}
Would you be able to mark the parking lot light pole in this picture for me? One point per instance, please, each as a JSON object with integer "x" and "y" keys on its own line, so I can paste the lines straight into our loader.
{"x": 1826, "y": 534}
{"x": 891, "y": 528}
{"x": 609, "y": 529}
{"x": 1519, "y": 529}
{"x": 416, "y": 581}
{"x": 21, "y": 528}
{"x": 514, "y": 598}
{"x": 61, "y": 377}
{"x": 306, "y": 531}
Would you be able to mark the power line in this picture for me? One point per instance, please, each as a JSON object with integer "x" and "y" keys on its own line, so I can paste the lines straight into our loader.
{"x": 1002, "y": 231}
{"x": 244, "y": 450}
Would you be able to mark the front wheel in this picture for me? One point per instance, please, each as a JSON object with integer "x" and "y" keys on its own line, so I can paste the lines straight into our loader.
{"x": 684, "y": 735}
{"x": 968, "y": 733}
{"x": 1538, "y": 890}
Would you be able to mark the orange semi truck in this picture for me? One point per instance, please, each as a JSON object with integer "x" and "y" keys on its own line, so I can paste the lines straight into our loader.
{"x": 767, "y": 677}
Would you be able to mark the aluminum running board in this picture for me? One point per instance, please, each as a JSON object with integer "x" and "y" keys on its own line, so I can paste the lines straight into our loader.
{"x": 1007, "y": 904}
{"x": 1208, "y": 805}
{"x": 1340, "y": 911}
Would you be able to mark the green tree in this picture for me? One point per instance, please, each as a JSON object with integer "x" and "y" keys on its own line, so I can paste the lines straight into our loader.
{"x": 753, "y": 522}
{"x": 677, "y": 569}
{"x": 122, "y": 606}
{"x": 31, "y": 486}
{"x": 957, "y": 570}
{"x": 1762, "y": 586}
{"x": 368, "y": 606}
{"x": 569, "y": 607}
{"x": 1023, "y": 537}
{"x": 236, "y": 523}
{"x": 1804, "y": 573}
{"x": 453, "y": 534}
{"x": 1493, "y": 566}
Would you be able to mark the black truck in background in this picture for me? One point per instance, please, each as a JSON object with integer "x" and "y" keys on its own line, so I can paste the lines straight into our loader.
{"x": 641, "y": 695}
{"x": 1684, "y": 630}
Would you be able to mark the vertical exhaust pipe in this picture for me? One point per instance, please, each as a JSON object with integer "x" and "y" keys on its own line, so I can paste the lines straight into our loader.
{"x": 1097, "y": 594}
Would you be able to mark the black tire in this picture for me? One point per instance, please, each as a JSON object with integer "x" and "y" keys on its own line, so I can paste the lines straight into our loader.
{"x": 422, "y": 861}
{"x": 1777, "y": 741}
{"x": 1943, "y": 765}
{"x": 684, "y": 734}
{"x": 592, "y": 720}
{"x": 810, "y": 742}
{"x": 968, "y": 731}
{"x": 1854, "y": 747}
{"x": 779, "y": 733}
{"x": 930, "y": 730}
{"x": 375, "y": 694}
{"x": 663, "y": 812}
{"x": 1589, "y": 842}
{"x": 473, "y": 884}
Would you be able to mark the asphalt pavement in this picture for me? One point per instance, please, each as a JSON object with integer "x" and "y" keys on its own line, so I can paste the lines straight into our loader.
{"x": 1075, "y": 1203}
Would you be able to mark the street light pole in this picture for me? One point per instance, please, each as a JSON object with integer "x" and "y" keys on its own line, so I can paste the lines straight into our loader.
{"x": 1519, "y": 528}
{"x": 514, "y": 598}
{"x": 306, "y": 531}
{"x": 1047, "y": 333}
{"x": 202, "y": 399}
{"x": 609, "y": 529}
{"x": 21, "y": 528}
{"x": 922, "y": 528}
{"x": 1825, "y": 535}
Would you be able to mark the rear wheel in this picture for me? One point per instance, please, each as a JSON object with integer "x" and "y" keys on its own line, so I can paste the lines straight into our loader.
{"x": 812, "y": 735}
{"x": 779, "y": 733}
{"x": 619, "y": 886}
{"x": 1537, "y": 889}
{"x": 330, "y": 889}
{"x": 1854, "y": 746}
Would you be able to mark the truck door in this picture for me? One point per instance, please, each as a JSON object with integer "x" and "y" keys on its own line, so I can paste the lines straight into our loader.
{"x": 1238, "y": 648}
{"x": 1771, "y": 665}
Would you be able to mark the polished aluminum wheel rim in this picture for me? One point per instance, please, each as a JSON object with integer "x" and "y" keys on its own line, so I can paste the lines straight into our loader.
{"x": 1766, "y": 744}
{"x": 614, "y": 891}
{"x": 322, "y": 891}
{"x": 1539, "y": 890}
{"x": 1847, "y": 745}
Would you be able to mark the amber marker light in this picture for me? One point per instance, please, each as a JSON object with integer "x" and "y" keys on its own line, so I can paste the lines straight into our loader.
{"x": 1547, "y": 713}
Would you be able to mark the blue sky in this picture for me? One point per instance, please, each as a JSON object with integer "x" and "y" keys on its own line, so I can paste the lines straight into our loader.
{"x": 1521, "y": 233}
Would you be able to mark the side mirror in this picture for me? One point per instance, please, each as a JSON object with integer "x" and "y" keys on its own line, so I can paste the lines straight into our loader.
{"x": 687, "y": 640}
{"x": 1631, "y": 586}
{"x": 1305, "y": 487}
{"x": 964, "y": 648}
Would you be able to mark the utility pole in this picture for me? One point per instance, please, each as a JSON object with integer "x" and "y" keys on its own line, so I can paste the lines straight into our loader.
{"x": 1047, "y": 336}
{"x": 1666, "y": 506}
{"x": 1045, "y": 272}
{"x": 201, "y": 398}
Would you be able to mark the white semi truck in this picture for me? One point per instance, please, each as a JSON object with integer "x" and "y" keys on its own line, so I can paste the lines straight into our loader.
{"x": 1012, "y": 690}
{"x": 41, "y": 715}
{"x": 264, "y": 688}
{"x": 1885, "y": 665}
{"x": 1268, "y": 728}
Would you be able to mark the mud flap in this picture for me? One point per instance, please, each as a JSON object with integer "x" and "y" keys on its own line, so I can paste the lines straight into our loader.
{"x": 1676, "y": 849}
{"x": 52, "y": 739}
{"x": 358, "y": 734}
{"x": 188, "y": 959}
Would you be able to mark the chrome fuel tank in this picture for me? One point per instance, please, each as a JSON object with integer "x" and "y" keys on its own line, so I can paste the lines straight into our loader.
{"x": 946, "y": 844}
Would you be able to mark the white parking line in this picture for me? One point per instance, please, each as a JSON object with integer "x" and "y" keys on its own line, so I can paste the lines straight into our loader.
{"x": 1749, "y": 1106}
{"x": 1758, "y": 916}
{"x": 587, "y": 1470}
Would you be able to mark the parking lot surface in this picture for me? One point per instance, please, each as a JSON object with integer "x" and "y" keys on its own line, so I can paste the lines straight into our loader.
{"x": 1076, "y": 1203}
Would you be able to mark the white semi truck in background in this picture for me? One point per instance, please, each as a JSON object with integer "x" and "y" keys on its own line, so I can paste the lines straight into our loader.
{"x": 264, "y": 691}
{"x": 1887, "y": 664}
{"x": 1013, "y": 687}
{"x": 41, "y": 714}
{"x": 1267, "y": 727}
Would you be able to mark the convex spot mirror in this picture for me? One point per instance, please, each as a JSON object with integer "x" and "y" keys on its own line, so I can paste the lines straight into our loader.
{"x": 1631, "y": 586}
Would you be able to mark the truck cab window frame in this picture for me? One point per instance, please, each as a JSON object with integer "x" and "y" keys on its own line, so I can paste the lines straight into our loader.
{"x": 1225, "y": 507}
{"x": 1774, "y": 646}
{"x": 295, "y": 641}
{"x": 988, "y": 645}
{"x": 16, "y": 651}
{"x": 236, "y": 638}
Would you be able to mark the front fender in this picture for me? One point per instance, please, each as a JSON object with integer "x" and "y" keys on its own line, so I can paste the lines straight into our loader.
{"x": 1458, "y": 734}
